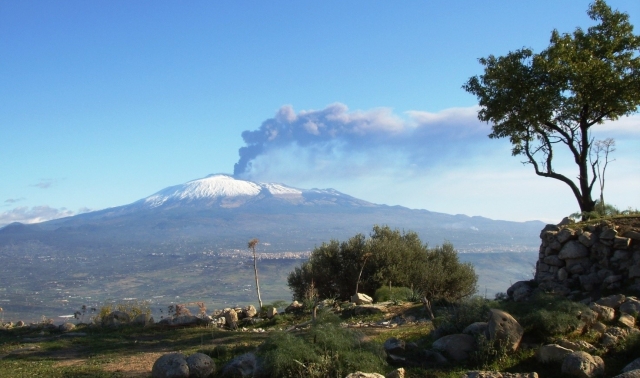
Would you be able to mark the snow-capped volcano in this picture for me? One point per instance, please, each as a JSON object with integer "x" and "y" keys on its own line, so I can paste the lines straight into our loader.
{"x": 232, "y": 192}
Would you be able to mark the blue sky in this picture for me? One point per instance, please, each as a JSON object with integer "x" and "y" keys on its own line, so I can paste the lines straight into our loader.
{"x": 106, "y": 102}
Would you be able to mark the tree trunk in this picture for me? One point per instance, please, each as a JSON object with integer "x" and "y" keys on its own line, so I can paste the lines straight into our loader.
{"x": 255, "y": 271}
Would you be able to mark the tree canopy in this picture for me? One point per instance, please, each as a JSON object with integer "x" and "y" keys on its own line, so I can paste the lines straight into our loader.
{"x": 386, "y": 257}
{"x": 547, "y": 102}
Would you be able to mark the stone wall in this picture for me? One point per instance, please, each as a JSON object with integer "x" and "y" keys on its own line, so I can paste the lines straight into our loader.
{"x": 589, "y": 260}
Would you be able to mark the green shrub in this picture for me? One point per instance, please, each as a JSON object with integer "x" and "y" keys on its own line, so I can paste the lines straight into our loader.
{"x": 132, "y": 308}
{"x": 385, "y": 294}
{"x": 546, "y": 316}
{"x": 455, "y": 317}
{"x": 327, "y": 350}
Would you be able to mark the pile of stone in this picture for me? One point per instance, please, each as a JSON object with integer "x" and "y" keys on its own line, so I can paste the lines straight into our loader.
{"x": 578, "y": 261}
{"x": 500, "y": 327}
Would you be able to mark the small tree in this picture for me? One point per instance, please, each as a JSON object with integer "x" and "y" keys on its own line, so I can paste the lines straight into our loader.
{"x": 549, "y": 101}
{"x": 601, "y": 150}
{"x": 252, "y": 246}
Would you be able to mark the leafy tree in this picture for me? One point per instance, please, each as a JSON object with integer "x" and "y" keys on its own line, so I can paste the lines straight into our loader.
{"x": 335, "y": 269}
{"x": 548, "y": 102}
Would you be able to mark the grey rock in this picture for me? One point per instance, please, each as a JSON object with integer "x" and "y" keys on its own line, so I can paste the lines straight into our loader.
{"x": 620, "y": 242}
{"x": 476, "y": 329}
{"x": 457, "y": 346}
{"x": 613, "y": 301}
{"x": 501, "y": 326}
{"x": 553, "y": 260}
{"x": 67, "y": 327}
{"x": 564, "y": 235}
{"x": 200, "y": 365}
{"x": 627, "y": 320}
{"x": 634, "y": 365}
{"x": 552, "y": 353}
{"x": 634, "y": 271}
{"x": 398, "y": 373}
{"x": 629, "y": 374}
{"x": 630, "y": 306}
{"x": 549, "y": 231}
{"x": 271, "y": 312}
{"x": 562, "y": 274}
{"x": 249, "y": 311}
{"x": 360, "y": 298}
{"x": 587, "y": 239}
{"x": 608, "y": 234}
{"x": 394, "y": 346}
{"x": 116, "y": 318}
{"x": 172, "y": 365}
{"x": 605, "y": 313}
{"x": 635, "y": 235}
{"x": 583, "y": 365}
{"x": 573, "y": 250}
{"x": 369, "y": 309}
{"x": 360, "y": 374}
{"x": 244, "y": 365}
{"x": 599, "y": 327}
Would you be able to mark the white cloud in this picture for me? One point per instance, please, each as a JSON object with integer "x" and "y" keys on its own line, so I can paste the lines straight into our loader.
{"x": 35, "y": 214}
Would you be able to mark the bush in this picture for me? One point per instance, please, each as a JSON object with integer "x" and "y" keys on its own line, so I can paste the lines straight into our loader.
{"x": 132, "y": 308}
{"x": 546, "y": 316}
{"x": 335, "y": 269}
{"x": 454, "y": 318}
{"x": 327, "y": 350}
{"x": 384, "y": 294}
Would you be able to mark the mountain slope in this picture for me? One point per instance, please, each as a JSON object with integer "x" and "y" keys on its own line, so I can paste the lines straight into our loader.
{"x": 221, "y": 212}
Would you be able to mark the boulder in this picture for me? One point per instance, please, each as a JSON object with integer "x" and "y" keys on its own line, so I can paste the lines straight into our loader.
{"x": 67, "y": 327}
{"x": 244, "y": 365}
{"x": 172, "y": 365}
{"x": 627, "y": 320}
{"x": 200, "y": 365}
{"x": 394, "y": 346}
{"x": 582, "y": 365}
{"x": 504, "y": 328}
{"x": 184, "y": 320}
{"x": 552, "y": 353}
{"x": 573, "y": 250}
{"x": 271, "y": 312}
{"x": 294, "y": 307}
{"x": 520, "y": 290}
{"x": 249, "y": 311}
{"x": 607, "y": 314}
{"x": 613, "y": 301}
{"x": 115, "y": 319}
{"x": 359, "y": 374}
{"x": 476, "y": 329}
{"x": 630, "y": 306}
{"x": 457, "y": 346}
{"x": 589, "y": 317}
{"x": 634, "y": 365}
{"x": 565, "y": 235}
{"x": 231, "y": 318}
{"x": 398, "y": 373}
{"x": 599, "y": 327}
{"x": 629, "y": 374}
{"x": 360, "y": 298}
{"x": 369, "y": 309}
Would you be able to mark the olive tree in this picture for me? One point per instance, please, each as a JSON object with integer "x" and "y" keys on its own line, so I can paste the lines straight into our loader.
{"x": 547, "y": 103}
{"x": 339, "y": 269}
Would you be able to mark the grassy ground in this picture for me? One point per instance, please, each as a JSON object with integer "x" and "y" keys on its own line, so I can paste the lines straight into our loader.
{"x": 131, "y": 351}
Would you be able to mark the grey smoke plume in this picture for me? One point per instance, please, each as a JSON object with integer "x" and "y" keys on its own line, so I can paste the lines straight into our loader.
{"x": 335, "y": 132}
